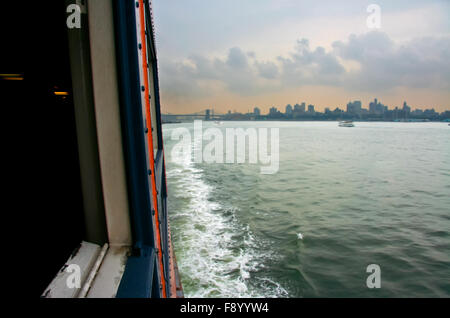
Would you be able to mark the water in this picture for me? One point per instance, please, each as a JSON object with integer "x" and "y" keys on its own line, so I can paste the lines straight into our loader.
{"x": 377, "y": 193}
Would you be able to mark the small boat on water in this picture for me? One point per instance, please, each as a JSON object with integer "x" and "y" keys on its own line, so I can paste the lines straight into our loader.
{"x": 346, "y": 123}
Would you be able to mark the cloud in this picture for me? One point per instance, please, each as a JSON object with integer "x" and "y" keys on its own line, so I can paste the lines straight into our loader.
{"x": 364, "y": 47}
{"x": 268, "y": 70}
{"x": 310, "y": 67}
{"x": 383, "y": 65}
{"x": 238, "y": 73}
{"x": 237, "y": 59}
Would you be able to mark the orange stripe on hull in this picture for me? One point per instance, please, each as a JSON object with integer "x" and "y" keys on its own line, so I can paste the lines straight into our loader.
{"x": 150, "y": 143}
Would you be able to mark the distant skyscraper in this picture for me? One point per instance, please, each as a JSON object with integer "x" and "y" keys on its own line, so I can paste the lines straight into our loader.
{"x": 311, "y": 109}
{"x": 406, "y": 108}
{"x": 354, "y": 107}
{"x": 377, "y": 108}
{"x": 299, "y": 108}
{"x": 257, "y": 111}
{"x": 288, "y": 109}
{"x": 273, "y": 111}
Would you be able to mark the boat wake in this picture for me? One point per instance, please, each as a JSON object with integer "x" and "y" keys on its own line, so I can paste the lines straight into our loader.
{"x": 217, "y": 255}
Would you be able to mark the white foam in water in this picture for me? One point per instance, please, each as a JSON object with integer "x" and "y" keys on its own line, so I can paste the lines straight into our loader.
{"x": 300, "y": 236}
{"x": 211, "y": 261}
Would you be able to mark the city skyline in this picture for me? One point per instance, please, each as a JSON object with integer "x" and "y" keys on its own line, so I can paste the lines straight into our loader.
{"x": 232, "y": 54}
{"x": 304, "y": 105}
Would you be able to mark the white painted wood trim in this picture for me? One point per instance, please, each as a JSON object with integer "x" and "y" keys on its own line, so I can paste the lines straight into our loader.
{"x": 84, "y": 257}
{"x": 110, "y": 274}
{"x": 109, "y": 129}
{"x": 93, "y": 273}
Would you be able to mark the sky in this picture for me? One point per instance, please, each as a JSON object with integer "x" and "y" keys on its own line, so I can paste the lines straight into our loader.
{"x": 240, "y": 54}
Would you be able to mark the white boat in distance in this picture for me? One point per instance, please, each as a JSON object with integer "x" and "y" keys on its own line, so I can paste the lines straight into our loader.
{"x": 346, "y": 123}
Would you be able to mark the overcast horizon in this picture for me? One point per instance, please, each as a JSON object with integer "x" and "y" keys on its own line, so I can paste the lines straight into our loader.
{"x": 237, "y": 55}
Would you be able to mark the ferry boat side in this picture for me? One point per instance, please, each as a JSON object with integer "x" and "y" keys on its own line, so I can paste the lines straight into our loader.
{"x": 125, "y": 248}
{"x": 346, "y": 123}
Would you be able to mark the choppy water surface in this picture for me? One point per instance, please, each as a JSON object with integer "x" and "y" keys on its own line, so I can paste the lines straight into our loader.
{"x": 378, "y": 193}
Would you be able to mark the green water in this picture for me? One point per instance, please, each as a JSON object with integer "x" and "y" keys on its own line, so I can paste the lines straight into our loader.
{"x": 378, "y": 193}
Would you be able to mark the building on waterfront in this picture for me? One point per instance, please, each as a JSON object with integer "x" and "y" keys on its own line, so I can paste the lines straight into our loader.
{"x": 406, "y": 108}
{"x": 377, "y": 108}
{"x": 354, "y": 108}
{"x": 289, "y": 109}
{"x": 273, "y": 111}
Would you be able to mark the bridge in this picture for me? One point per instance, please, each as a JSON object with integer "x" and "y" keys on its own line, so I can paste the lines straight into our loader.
{"x": 207, "y": 114}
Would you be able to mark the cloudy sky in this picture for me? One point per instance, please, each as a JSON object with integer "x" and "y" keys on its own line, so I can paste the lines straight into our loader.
{"x": 238, "y": 54}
